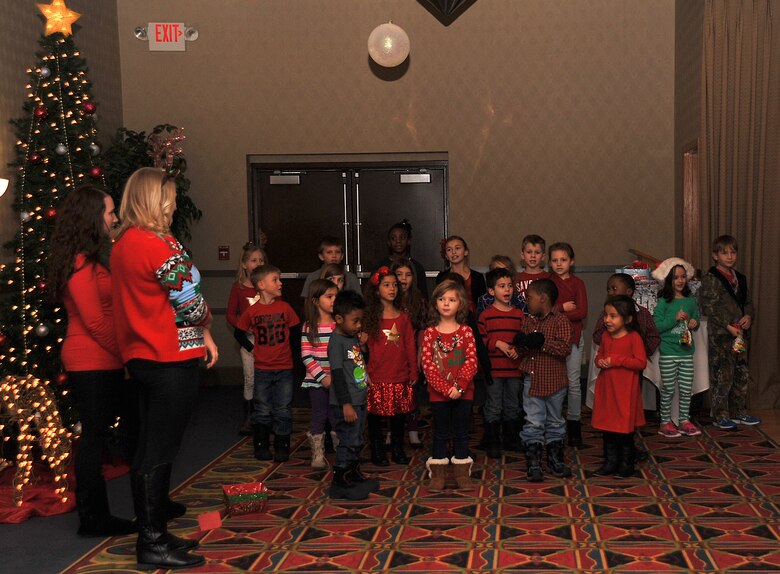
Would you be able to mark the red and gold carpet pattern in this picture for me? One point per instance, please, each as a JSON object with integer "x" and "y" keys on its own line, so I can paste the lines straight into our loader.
{"x": 702, "y": 504}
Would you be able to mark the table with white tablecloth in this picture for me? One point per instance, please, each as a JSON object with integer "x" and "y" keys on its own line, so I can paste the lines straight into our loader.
{"x": 652, "y": 374}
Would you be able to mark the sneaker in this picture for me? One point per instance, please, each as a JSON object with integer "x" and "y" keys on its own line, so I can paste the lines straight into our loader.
{"x": 689, "y": 429}
{"x": 668, "y": 430}
{"x": 725, "y": 424}
{"x": 749, "y": 420}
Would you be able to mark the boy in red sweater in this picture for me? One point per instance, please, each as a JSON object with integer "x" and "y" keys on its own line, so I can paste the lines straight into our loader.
{"x": 532, "y": 256}
{"x": 498, "y": 325}
{"x": 275, "y": 325}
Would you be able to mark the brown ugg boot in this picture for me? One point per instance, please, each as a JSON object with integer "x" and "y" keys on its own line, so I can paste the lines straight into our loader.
{"x": 437, "y": 472}
{"x": 461, "y": 468}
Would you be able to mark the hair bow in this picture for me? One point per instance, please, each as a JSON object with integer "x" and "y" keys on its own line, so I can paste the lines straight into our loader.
{"x": 378, "y": 274}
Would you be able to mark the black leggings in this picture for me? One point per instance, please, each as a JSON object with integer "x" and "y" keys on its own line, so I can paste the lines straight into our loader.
{"x": 167, "y": 394}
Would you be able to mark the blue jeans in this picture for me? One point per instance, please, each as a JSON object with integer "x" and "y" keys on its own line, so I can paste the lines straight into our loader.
{"x": 272, "y": 400}
{"x": 451, "y": 422}
{"x": 574, "y": 368}
{"x": 544, "y": 422}
{"x": 503, "y": 400}
{"x": 350, "y": 435}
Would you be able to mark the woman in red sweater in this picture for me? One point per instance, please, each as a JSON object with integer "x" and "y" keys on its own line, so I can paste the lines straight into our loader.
{"x": 79, "y": 277}
{"x": 163, "y": 330}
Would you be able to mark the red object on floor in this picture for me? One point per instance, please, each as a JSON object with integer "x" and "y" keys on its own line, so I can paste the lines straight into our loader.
{"x": 39, "y": 497}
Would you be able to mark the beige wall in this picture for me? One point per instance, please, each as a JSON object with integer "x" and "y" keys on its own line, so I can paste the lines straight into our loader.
{"x": 21, "y": 27}
{"x": 558, "y": 116}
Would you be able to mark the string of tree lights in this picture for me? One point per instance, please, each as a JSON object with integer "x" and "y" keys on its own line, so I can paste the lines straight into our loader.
{"x": 56, "y": 151}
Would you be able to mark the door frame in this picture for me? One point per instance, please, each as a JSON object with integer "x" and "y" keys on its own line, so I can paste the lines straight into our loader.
{"x": 285, "y": 163}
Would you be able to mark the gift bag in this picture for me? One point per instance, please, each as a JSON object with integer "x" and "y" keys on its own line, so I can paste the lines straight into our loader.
{"x": 245, "y": 498}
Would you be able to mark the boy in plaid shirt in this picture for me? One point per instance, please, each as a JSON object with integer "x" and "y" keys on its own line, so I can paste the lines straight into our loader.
{"x": 543, "y": 343}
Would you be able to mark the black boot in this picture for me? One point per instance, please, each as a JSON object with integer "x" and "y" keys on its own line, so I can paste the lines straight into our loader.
{"x": 376, "y": 441}
{"x": 533, "y": 461}
{"x": 626, "y": 455}
{"x": 574, "y": 432}
{"x": 493, "y": 439}
{"x": 511, "y": 438}
{"x": 640, "y": 452}
{"x": 155, "y": 546}
{"x": 261, "y": 432}
{"x": 555, "y": 462}
{"x": 329, "y": 448}
{"x": 345, "y": 488}
{"x": 281, "y": 448}
{"x": 359, "y": 478}
{"x": 95, "y": 519}
{"x": 397, "y": 423}
{"x": 610, "y": 465}
{"x": 246, "y": 426}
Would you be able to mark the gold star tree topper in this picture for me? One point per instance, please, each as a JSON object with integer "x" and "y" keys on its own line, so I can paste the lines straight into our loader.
{"x": 59, "y": 18}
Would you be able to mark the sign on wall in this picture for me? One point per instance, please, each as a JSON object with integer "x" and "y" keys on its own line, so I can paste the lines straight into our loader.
{"x": 166, "y": 37}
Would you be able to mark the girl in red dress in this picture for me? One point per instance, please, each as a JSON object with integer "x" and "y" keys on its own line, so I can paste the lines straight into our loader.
{"x": 617, "y": 405}
{"x": 392, "y": 365}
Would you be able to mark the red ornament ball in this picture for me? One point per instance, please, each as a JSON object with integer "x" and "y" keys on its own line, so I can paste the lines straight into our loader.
{"x": 35, "y": 157}
{"x": 41, "y": 113}
{"x": 50, "y": 213}
{"x": 95, "y": 172}
{"x": 89, "y": 108}
{"x": 61, "y": 379}
{"x": 41, "y": 285}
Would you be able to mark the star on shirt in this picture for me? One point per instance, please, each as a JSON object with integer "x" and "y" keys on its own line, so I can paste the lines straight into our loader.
{"x": 253, "y": 300}
{"x": 393, "y": 336}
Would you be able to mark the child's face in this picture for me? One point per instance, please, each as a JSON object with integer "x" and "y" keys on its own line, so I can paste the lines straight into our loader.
{"x": 532, "y": 256}
{"x": 331, "y": 254}
{"x": 350, "y": 324}
{"x": 725, "y": 258}
{"x": 502, "y": 291}
{"x": 617, "y": 287}
{"x": 271, "y": 284}
{"x": 680, "y": 280}
{"x": 398, "y": 241}
{"x": 537, "y": 303}
{"x": 255, "y": 260}
{"x": 338, "y": 281}
{"x": 447, "y": 305}
{"x": 405, "y": 278}
{"x": 561, "y": 263}
{"x": 456, "y": 252}
{"x": 388, "y": 288}
{"x": 325, "y": 301}
{"x": 612, "y": 320}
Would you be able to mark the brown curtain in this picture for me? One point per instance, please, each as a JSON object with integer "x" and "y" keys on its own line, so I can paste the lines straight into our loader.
{"x": 740, "y": 153}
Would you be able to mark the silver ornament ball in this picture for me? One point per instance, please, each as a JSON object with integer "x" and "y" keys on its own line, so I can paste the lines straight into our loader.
{"x": 94, "y": 149}
{"x": 42, "y": 330}
{"x": 45, "y": 72}
{"x": 25, "y": 216}
{"x": 61, "y": 149}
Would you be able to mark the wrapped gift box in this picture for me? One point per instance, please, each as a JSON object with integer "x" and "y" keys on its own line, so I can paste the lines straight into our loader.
{"x": 646, "y": 292}
{"x": 245, "y": 498}
{"x": 638, "y": 273}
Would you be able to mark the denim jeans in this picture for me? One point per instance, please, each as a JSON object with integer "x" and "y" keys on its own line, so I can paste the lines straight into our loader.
{"x": 272, "y": 400}
{"x": 350, "y": 435}
{"x": 503, "y": 400}
{"x": 544, "y": 422}
{"x": 574, "y": 368}
{"x": 451, "y": 422}
{"x": 167, "y": 394}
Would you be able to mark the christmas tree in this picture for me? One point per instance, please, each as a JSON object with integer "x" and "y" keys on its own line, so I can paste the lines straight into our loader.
{"x": 56, "y": 152}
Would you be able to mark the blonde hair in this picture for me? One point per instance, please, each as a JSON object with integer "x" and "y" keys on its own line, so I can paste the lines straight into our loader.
{"x": 148, "y": 201}
{"x": 249, "y": 249}
{"x": 462, "y": 314}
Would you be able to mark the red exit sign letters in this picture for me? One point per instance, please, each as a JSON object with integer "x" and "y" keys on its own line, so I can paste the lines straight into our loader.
{"x": 166, "y": 36}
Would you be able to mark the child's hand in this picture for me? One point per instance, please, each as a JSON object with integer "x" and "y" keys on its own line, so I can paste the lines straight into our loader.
{"x": 745, "y": 322}
{"x": 350, "y": 415}
{"x": 693, "y": 323}
{"x": 212, "y": 353}
{"x": 569, "y": 306}
{"x": 682, "y": 315}
{"x": 605, "y": 363}
{"x": 734, "y": 330}
{"x": 454, "y": 393}
{"x": 512, "y": 353}
{"x": 326, "y": 382}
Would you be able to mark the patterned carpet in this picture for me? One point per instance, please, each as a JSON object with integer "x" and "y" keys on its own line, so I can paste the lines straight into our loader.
{"x": 703, "y": 504}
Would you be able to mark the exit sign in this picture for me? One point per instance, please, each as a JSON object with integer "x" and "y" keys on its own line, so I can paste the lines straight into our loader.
{"x": 166, "y": 37}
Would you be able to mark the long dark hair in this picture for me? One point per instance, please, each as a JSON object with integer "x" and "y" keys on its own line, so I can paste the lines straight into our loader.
{"x": 626, "y": 308}
{"x": 374, "y": 306}
{"x": 667, "y": 291}
{"x": 411, "y": 300}
{"x": 317, "y": 289}
{"x": 79, "y": 229}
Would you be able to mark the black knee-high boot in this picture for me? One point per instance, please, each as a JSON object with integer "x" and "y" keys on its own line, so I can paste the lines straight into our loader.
{"x": 610, "y": 464}
{"x": 376, "y": 440}
{"x": 397, "y": 423}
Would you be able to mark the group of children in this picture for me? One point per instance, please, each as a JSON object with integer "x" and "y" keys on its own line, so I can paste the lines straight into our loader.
{"x": 363, "y": 356}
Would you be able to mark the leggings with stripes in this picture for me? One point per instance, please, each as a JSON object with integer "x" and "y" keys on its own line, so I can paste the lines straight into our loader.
{"x": 676, "y": 371}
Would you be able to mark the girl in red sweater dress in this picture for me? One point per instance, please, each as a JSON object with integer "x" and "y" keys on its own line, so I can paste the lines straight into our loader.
{"x": 392, "y": 365}
{"x": 449, "y": 361}
{"x": 617, "y": 404}
{"x": 242, "y": 295}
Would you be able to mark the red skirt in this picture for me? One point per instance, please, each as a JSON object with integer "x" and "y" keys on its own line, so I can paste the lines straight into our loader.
{"x": 388, "y": 399}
